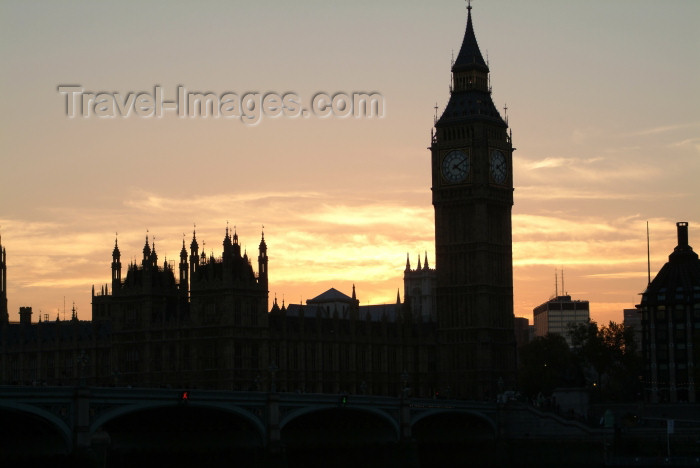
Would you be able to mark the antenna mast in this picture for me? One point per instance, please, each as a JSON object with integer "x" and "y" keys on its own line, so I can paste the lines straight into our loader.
{"x": 648, "y": 258}
{"x": 556, "y": 284}
{"x": 563, "y": 291}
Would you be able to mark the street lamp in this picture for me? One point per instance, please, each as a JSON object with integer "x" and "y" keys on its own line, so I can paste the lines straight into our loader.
{"x": 273, "y": 370}
{"x": 82, "y": 362}
{"x": 404, "y": 381}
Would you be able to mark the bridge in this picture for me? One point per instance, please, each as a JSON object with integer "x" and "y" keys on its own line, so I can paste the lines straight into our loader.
{"x": 74, "y": 420}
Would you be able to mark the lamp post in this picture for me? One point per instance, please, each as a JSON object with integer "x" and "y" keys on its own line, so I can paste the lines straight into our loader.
{"x": 404, "y": 382}
{"x": 273, "y": 370}
{"x": 82, "y": 362}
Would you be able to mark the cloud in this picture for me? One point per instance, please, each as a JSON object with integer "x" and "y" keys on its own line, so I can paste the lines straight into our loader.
{"x": 619, "y": 275}
{"x": 548, "y": 163}
{"x": 662, "y": 129}
{"x": 691, "y": 143}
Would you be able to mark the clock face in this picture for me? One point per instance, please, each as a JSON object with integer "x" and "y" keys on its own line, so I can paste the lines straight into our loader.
{"x": 455, "y": 166}
{"x": 499, "y": 169}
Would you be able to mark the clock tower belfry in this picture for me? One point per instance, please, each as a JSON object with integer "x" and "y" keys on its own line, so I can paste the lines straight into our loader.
{"x": 472, "y": 186}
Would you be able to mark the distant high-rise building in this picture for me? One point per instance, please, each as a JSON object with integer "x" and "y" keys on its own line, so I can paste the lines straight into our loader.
{"x": 670, "y": 309}
{"x": 557, "y": 315}
{"x": 632, "y": 318}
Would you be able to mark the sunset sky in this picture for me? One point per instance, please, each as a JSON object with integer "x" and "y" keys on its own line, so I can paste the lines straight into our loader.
{"x": 602, "y": 100}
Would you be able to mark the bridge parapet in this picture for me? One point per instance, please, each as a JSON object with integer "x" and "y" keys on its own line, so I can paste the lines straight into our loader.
{"x": 523, "y": 421}
{"x": 79, "y": 413}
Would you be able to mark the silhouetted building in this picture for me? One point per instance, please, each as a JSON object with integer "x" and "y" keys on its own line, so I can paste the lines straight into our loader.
{"x": 62, "y": 352}
{"x": 522, "y": 331}
{"x": 419, "y": 289}
{"x": 193, "y": 331}
{"x": 670, "y": 310}
{"x": 205, "y": 323}
{"x": 211, "y": 329}
{"x": 559, "y": 314}
{"x": 332, "y": 344}
{"x": 632, "y": 318}
{"x": 472, "y": 186}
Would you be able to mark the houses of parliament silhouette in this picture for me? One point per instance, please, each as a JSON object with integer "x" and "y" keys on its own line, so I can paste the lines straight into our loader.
{"x": 207, "y": 325}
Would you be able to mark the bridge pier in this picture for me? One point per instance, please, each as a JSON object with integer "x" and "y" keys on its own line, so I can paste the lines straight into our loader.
{"x": 81, "y": 425}
{"x": 84, "y": 453}
{"x": 407, "y": 448}
{"x": 274, "y": 451}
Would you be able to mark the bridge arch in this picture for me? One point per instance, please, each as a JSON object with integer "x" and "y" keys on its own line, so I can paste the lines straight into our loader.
{"x": 353, "y": 422}
{"x": 452, "y": 411}
{"x": 55, "y": 422}
{"x": 456, "y": 436}
{"x": 122, "y": 411}
{"x": 322, "y": 436}
{"x": 382, "y": 415}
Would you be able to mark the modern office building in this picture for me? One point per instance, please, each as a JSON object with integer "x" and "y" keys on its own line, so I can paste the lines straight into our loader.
{"x": 557, "y": 315}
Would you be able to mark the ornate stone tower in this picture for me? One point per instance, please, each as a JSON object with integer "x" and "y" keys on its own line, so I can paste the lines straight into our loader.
{"x": 472, "y": 184}
{"x": 116, "y": 267}
{"x": 262, "y": 262}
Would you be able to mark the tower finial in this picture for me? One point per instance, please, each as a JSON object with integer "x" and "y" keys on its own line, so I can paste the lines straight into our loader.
{"x": 469, "y": 5}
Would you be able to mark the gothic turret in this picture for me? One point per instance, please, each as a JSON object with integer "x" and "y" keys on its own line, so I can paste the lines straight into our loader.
{"x": 228, "y": 247}
{"x": 262, "y": 262}
{"x": 236, "y": 245}
{"x": 116, "y": 267}
{"x": 184, "y": 269}
{"x": 154, "y": 256}
{"x": 146, "y": 254}
{"x": 194, "y": 253}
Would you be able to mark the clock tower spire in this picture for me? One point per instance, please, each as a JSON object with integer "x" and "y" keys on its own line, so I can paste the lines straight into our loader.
{"x": 472, "y": 185}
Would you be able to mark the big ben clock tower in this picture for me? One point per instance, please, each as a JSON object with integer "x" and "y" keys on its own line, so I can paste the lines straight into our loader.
{"x": 472, "y": 185}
